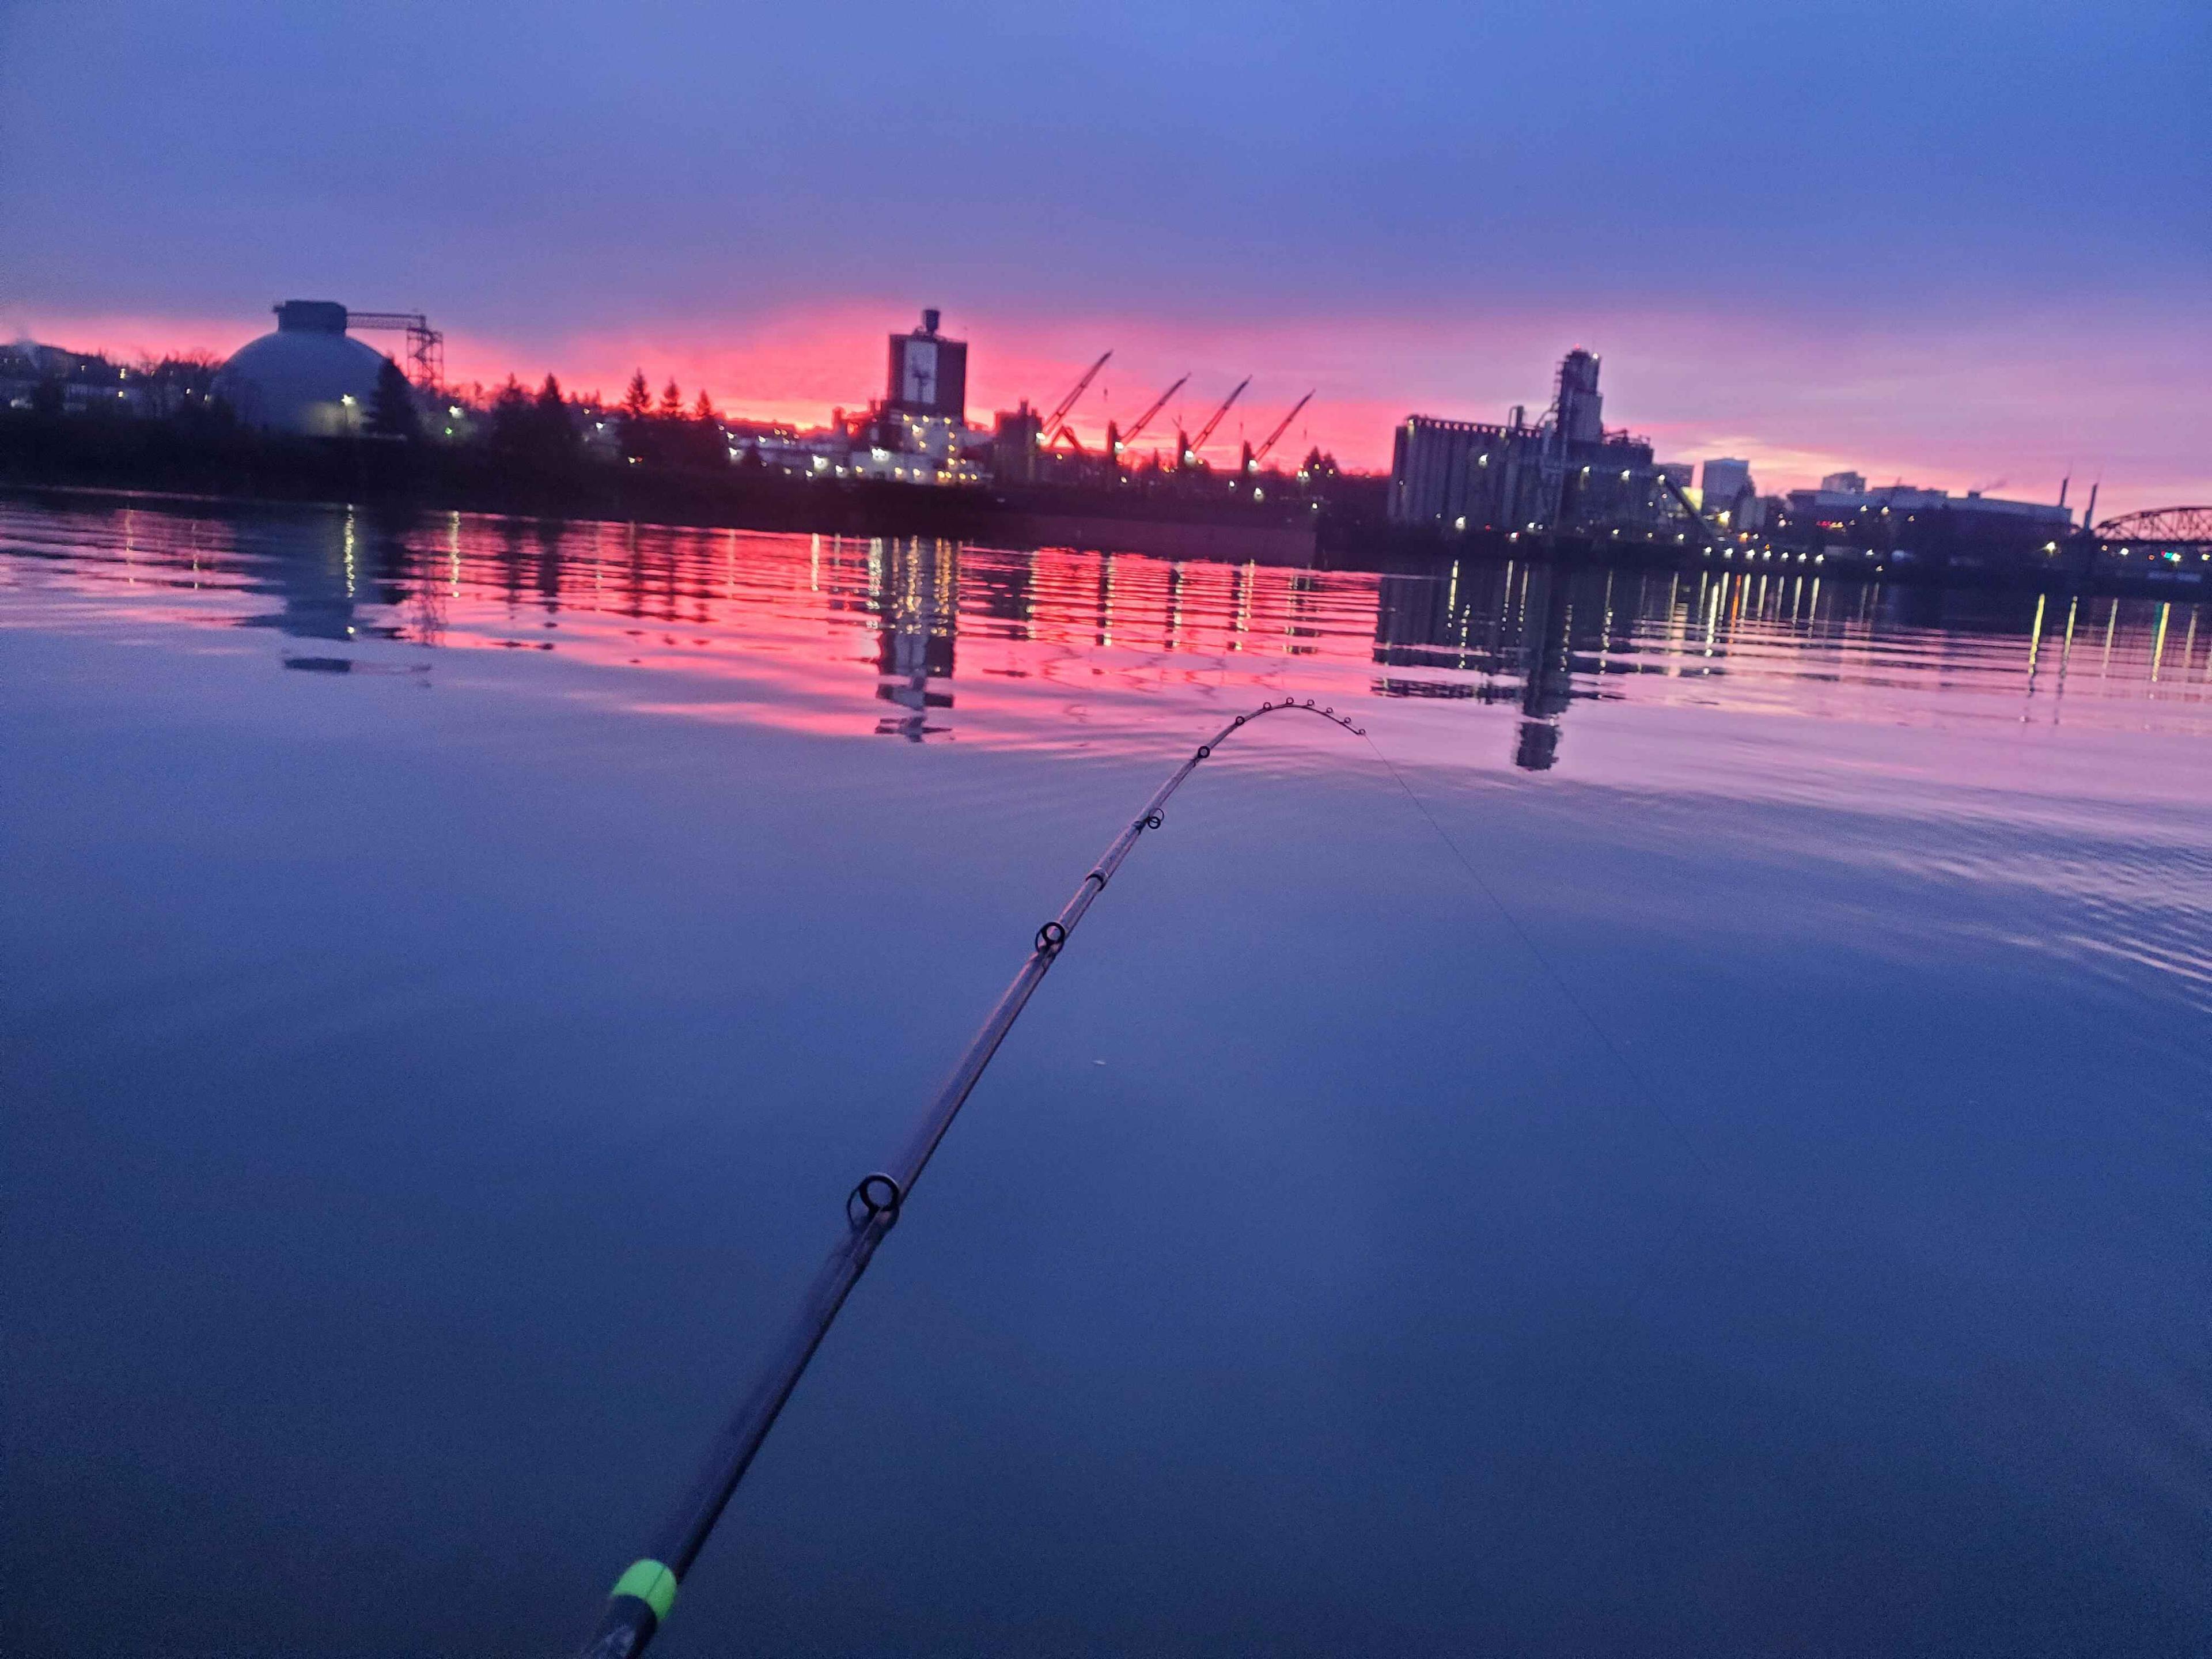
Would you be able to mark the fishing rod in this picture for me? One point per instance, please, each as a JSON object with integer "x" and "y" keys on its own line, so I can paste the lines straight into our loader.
{"x": 646, "y": 1589}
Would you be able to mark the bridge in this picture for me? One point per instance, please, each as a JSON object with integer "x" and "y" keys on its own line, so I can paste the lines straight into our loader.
{"x": 2187, "y": 528}
{"x": 2165, "y": 543}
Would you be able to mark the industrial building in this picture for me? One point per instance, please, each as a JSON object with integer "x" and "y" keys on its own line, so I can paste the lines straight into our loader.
{"x": 929, "y": 375}
{"x": 309, "y": 378}
{"x": 1564, "y": 472}
{"x": 1907, "y": 523}
{"x": 917, "y": 433}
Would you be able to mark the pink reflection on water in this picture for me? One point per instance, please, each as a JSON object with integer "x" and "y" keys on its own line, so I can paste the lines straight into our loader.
{"x": 844, "y": 636}
{"x": 2047, "y": 747}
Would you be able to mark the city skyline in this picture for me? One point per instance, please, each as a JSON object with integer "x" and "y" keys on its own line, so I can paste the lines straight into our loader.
{"x": 1794, "y": 428}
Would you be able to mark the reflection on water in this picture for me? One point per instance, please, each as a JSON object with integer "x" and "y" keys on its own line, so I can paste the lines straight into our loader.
{"x": 928, "y": 641}
{"x": 812, "y": 630}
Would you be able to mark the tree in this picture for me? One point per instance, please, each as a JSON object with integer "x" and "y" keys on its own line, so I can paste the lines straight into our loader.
{"x": 700, "y": 441}
{"x": 553, "y": 433}
{"x": 391, "y": 412}
{"x": 511, "y": 416}
{"x": 637, "y": 418}
{"x": 671, "y": 402}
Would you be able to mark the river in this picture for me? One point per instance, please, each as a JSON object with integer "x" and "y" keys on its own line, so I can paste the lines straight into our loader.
{"x": 1691, "y": 1140}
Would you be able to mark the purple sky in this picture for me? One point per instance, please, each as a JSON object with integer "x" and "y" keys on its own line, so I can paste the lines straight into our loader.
{"x": 1953, "y": 242}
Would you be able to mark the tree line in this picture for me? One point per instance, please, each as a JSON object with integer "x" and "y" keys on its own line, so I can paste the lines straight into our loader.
{"x": 546, "y": 427}
{"x": 663, "y": 433}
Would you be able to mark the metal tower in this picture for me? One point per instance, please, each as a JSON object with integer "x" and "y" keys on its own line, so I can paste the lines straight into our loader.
{"x": 426, "y": 346}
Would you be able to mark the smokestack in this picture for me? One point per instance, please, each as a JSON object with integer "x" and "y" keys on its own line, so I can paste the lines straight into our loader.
{"x": 929, "y": 321}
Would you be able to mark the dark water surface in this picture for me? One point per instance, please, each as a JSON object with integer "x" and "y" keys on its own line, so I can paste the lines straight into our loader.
{"x": 451, "y": 971}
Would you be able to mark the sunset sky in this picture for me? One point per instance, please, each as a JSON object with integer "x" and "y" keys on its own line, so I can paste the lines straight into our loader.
{"x": 1960, "y": 244}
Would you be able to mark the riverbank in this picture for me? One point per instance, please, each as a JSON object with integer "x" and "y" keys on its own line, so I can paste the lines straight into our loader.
{"x": 222, "y": 463}
{"x": 1337, "y": 525}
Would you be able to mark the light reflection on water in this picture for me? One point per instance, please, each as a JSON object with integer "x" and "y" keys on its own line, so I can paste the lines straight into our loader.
{"x": 927, "y": 640}
{"x": 446, "y": 961}
{"x": 959, "y": 641}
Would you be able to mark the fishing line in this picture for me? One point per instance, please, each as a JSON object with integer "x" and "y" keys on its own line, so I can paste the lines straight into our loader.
{"x": 1572, "y": 1411}
{"x": 1558, "y": 980}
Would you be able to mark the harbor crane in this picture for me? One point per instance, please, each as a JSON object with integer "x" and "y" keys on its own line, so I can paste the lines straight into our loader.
{"x": 1055, "y": 425}
{"x": 1186, "y": 449}
{"x": 1253, "y": 457}
{"x": 1118, "y": 441}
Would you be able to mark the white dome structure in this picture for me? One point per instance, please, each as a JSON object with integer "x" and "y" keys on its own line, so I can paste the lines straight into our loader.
{"x": 307, "y": 378}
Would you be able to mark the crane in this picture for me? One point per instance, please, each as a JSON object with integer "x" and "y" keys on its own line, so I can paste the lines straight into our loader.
{"x": 1055, "y": 423}
{"x": 1122, "y": 440}
{"x": 1187, "y": 450}
{"x": 1252, "y": 460}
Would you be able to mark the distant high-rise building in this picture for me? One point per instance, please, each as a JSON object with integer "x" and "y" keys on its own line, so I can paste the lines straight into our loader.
{"x": 1729, "y": 498}
{"x": 929, "y": 373}
{"x": 1727, "y": 480}
{"x": 1846, "y": 484}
